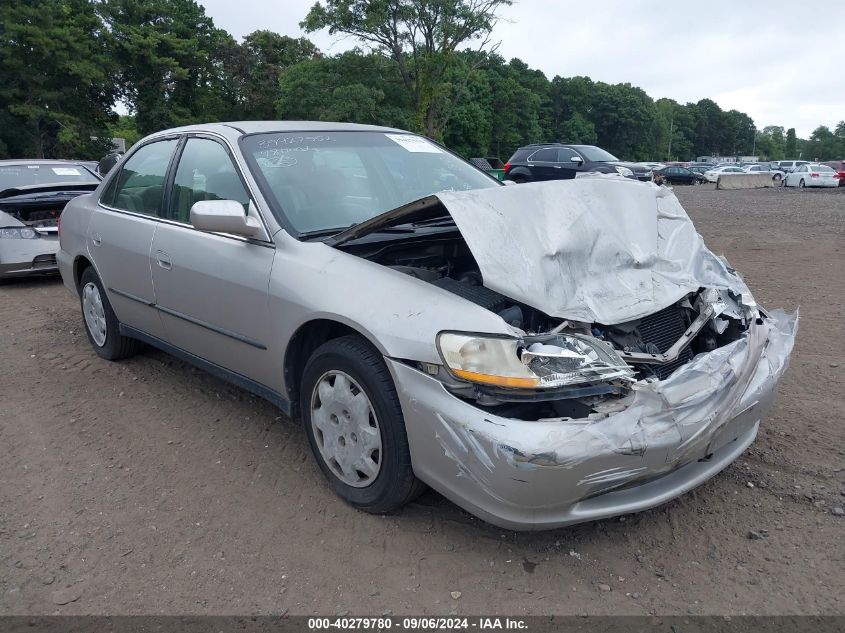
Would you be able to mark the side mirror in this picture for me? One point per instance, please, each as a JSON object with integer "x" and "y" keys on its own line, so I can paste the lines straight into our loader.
{"x": 576, "y": 159}
{"x": 224, "y": 216}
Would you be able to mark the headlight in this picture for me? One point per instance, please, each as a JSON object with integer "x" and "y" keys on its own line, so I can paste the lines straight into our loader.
{"x": 624, "y": 171}
{"x": 19, "y": 233}
{"x": 534, "y": 362}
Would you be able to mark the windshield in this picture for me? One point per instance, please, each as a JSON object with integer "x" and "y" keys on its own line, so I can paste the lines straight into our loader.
{"x": 596, "y": 154}
{"x": 332, "y": 180}
{"x": 28, "y": 174}
{"x": 822, "y": 168}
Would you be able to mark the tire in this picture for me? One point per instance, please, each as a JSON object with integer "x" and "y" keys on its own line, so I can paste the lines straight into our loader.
{"x": 801, "y": 184}
{"x": 107, "y": 340}
{"x": 336, "y": 369}
{"x": 777, "y": 177}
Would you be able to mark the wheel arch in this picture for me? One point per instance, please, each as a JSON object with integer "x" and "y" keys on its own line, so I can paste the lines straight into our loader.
{"x": 80, "y": 263}
{"x": 307, "y": 338}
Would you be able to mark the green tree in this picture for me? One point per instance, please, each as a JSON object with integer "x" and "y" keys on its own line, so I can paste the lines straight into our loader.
{"x": 265, "y": 56}
{"x": 823, "y": 144}
{"x": 124, "y": 127}
{"x": 422, "y": 37}
{"x": 771, "y": 142}
{"x": 515, "y": 107}
{"x": 56, "y": 79}
{"x": 470, "y": 123}
{"x": 349, "y": 87}
{"x": 791, "y": 145}
{"x": 172, "y": 61}
{"x": 675, "y": 134}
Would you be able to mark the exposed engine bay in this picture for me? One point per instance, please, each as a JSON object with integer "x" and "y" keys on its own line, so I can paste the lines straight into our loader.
{"x": 650, "y": 348}
{"x": 36, "y": 216}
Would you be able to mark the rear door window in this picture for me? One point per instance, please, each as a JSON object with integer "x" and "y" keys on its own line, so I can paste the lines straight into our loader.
{"x": 139, "y": 187}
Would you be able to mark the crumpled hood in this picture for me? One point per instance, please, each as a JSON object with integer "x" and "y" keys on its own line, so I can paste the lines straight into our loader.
{"x": 605, "y": 250}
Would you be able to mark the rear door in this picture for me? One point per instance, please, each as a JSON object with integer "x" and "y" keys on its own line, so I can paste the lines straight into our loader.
{"x": 211, "y": 288}
{"x": 121, "y": 232}
{"x": 544, "y": 165}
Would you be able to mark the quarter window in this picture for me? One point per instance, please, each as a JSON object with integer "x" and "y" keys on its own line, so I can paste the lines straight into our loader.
{"x": 205, "y": 172}
{"x": 140, "y": 183}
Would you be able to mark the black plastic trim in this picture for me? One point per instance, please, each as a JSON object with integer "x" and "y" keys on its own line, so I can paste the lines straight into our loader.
{"x": 235, "y": 378}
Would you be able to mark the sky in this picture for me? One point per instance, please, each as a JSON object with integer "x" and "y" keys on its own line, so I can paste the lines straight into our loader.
{"x": 778, "y": 61}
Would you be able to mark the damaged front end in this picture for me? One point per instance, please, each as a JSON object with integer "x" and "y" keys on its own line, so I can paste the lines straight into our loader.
{"x": 637, "y": 365}
{"x": 572, "y": 363}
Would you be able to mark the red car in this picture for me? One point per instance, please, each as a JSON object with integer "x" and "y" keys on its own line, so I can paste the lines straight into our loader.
{"x": 839, "y": 166}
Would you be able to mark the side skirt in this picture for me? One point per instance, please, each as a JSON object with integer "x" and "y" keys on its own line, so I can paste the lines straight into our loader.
{"x": 235, "y": 378}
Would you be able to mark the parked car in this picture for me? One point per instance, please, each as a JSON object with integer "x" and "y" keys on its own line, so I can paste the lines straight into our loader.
{"x": 652, "y": 166}
{"x": 32, "y": 196}
{"x": 700, "y": 168}
{"x": 678, "y": 176}
{"x": 839, "y": 167}
{"x": 787, "y": 166}
{"x": 529, "y": 352}
{"x": 812, "y": 175}
{"x": 712, "y": 175}
{"x": 556, "y": 161}
{"x": 777, "y": 175}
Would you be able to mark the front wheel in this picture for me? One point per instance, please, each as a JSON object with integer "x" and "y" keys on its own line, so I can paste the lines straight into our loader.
{"x": 777, "y": 177}
{"x": 101, "y": 324}
{"x": 355, "y": 426}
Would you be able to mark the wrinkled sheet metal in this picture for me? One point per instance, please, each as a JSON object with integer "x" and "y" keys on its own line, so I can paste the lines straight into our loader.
{"x": 605, "y": 250}
{"x": 657, "y": 428}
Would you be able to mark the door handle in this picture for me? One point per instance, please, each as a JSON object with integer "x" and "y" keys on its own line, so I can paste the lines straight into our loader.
{"x": 96, "y": 239}
{"x": 163, "y": 260}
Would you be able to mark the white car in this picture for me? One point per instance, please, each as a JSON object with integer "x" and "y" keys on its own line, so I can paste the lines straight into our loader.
{"x": 791, "y": 165}
{"x": 713, "y": 174}
{"x": 777, "y": 174}
{"x": 812, "y": 175}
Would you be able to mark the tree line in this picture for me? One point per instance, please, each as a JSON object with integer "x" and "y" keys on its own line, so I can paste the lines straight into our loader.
{"x": 423, "y": 65}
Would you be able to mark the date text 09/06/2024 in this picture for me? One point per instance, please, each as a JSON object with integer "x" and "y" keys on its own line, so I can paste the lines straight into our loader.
{"x": 416, "y": 623}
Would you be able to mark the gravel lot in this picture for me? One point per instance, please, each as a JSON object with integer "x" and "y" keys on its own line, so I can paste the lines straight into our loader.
{"x": 150, "y": 487}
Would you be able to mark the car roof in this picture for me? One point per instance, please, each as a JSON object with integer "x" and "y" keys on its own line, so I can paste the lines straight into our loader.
{"x": 42, "y": 161}
{"x": 258, "y": 127}
{"x": 534, "y": 145}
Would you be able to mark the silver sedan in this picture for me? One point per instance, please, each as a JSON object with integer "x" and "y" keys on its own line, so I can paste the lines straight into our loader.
{"x": 542, "y": 355}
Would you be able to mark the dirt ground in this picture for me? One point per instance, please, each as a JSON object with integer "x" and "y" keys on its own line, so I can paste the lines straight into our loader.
{"x": 149, "y": 487}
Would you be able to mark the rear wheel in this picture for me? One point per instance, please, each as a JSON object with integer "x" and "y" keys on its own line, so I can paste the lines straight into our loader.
{"x": 101, "y": 324}
{"x": 801, "y": 183}
{"x": 355, "y": 426}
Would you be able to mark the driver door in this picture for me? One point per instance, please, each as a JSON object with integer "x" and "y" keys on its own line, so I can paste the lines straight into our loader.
{"x": 211, "y": 288}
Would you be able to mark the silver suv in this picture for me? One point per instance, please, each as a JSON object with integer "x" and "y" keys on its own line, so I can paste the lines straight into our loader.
{"x": 542, "y": 355}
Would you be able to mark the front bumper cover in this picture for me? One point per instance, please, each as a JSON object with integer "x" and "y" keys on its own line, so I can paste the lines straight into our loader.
{"x": 660, "y": 441}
